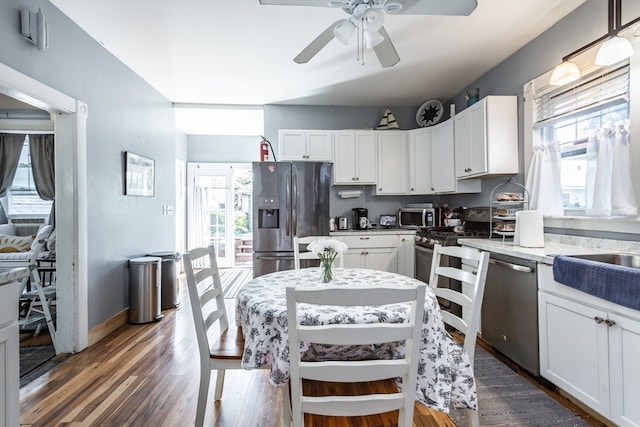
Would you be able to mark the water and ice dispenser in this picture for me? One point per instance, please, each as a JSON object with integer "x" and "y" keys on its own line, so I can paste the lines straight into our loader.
{"x": 268, "y": 212}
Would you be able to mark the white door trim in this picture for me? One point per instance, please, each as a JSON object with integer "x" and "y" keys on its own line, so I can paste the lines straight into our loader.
{"x": 71, "y": 193}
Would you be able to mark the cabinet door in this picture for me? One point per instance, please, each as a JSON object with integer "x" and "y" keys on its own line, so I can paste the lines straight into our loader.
{"x": 406, "y": 255}
{"x": 9, "y": 375}
{"x": 318, "y": 148}
{"x": 344, "y": 164}
{"x": 382, "y": 259}
{"x": 624, "y": 366}
{"x": 366, "y": 157}
{"x": 291, "y": 145}
{"x": 462, "y": 123}
{"x": 354, "y": 258}
{"x": 393, "y": 161}
{"x": 443, "y": 175}
{"x": 478, "y": 161}
{"x": 574, "y": 349}
{"x": 420, "y": 161}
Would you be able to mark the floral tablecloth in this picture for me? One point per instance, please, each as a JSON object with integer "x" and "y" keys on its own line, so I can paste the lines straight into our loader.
{"x": 444, "y": 372}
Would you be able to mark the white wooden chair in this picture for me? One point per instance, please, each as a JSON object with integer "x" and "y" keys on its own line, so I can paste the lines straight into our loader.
{"x": 298, "y": 255}
{"x": 305, "y": 407}
{"x": 472, "y": 275}
{"x": 212, "y": 323}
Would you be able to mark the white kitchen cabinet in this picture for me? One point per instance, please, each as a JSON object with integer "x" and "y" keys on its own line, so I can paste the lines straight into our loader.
{"x": 432, "y": 162}
{"x": 443, "y": 170}
{"x": 354, "y": 157}
{"x": 393, "y": 170}
{"x": 486, "y": 138}
{"x": 420, "y": 161}
{"x": 9, "y": 356}
{"x": 589, "y": 348}
{"x": 375, "y": 252}
{"x": 305, "y": 145}
{"x": 406, "y": 254}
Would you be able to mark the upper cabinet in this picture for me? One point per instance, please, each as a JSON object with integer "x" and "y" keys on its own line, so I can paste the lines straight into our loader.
{"x": 393, "y": 154}
{"x": 306, "y": 145}
{"x": 354, "y": 157}
{"x": 432, "y": 162}
{"x": 486, "y": 138}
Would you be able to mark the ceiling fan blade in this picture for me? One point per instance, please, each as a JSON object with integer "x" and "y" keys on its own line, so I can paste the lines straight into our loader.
{"x": 322, "y": 3}
{"x": 435, "y": 7}
{"x": 317, "y": 44}
{"x": 385, "y": 51}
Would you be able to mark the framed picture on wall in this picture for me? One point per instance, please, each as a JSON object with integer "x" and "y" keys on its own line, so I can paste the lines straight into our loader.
{"x": 139, "y": 175}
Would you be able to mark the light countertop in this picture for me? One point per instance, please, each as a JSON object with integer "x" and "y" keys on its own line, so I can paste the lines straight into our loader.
{"x": 542, "y": 255}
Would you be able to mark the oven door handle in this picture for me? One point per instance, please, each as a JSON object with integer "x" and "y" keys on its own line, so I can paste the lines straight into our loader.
{"x": 519, "y": 268}
{"x": 423, "y": 249}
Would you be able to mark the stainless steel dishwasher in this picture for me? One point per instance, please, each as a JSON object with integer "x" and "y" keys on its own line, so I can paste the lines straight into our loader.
{"x": 509, "y": 320}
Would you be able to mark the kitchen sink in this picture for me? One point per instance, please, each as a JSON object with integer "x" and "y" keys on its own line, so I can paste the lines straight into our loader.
{"x": 623, "y": 259}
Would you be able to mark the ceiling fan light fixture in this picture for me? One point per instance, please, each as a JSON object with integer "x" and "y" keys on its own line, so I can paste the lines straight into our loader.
{"x": 373, "y": 20}
{"x": 372, "y": 39}
{"x": 613, "y": 50}
{"x": 564, "y": 73}
{"x": 343, "y": 31}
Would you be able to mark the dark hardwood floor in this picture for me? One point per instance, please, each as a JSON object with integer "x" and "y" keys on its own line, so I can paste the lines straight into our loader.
{"x": 147, "y": 375}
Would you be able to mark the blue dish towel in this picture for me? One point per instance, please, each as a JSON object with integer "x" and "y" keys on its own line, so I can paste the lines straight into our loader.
{"x": 615, "y": 283}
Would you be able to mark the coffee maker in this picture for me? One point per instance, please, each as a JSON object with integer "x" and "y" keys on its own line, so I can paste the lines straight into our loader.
{"x": 359, "y": 213}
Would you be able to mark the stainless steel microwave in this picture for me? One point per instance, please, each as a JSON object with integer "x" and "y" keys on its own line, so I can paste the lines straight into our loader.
{"x": 415, "y": 218}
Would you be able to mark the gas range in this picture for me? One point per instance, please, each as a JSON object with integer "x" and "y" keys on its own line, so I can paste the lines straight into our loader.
{"x": 476, "y": 224}
{"x": 429, "y": 238}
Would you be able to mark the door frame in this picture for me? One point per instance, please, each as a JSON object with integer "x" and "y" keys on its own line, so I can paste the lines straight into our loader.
{"x": 69, "y": 116}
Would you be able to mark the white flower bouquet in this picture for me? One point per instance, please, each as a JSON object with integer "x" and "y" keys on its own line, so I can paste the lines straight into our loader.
{"x": 327, "y": 250}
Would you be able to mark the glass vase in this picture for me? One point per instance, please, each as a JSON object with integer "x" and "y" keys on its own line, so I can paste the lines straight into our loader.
{"x": 326, "y": 270}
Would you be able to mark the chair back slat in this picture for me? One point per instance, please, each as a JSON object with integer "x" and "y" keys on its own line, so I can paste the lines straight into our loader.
{"x": 354, "y": 371}
{"x": 355, "y": 334}
{"x": 358, "y": 334}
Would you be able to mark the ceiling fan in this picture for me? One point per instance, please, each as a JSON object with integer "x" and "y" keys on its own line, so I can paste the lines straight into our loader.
{"x": 368, "y": 17}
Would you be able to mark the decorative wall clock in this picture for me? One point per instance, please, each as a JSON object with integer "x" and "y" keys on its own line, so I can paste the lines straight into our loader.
{"x": 429, "y": 113}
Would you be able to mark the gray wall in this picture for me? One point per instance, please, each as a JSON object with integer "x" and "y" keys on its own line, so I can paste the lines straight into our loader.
{"x": 125, "y": 114}
{"x": 224, "y": 149}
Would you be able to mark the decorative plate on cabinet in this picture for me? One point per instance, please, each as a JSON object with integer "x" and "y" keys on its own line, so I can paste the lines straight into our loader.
{"x": 429, "y": 113}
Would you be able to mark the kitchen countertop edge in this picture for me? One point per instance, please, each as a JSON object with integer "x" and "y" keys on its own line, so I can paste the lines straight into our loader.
{"x": 543, "y": 255}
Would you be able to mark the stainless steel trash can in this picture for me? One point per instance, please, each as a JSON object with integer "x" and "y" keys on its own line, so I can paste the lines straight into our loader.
{"x": 144, "y": 290}
{"x": 168, "y": 278}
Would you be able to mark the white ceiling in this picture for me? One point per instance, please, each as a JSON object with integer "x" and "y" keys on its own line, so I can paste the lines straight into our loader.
{"x": 240, "y": 52}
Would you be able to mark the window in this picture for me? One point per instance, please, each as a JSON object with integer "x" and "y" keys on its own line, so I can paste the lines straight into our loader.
{"x": 568, "y": 116}
{"x": 23, "y": 199}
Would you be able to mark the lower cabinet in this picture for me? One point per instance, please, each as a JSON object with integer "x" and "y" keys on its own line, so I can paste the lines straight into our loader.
{"x": 374, "y": 252}
{"x": 590, "y": 350}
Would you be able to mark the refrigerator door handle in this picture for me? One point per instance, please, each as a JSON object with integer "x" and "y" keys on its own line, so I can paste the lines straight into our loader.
{"x": 287, "y": 190}
{"x": 294, "y": 202}
{"x": 273, "y": 257}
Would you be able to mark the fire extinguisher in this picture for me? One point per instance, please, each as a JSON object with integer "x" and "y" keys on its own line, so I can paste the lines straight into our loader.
{"x": 264, "y": 150}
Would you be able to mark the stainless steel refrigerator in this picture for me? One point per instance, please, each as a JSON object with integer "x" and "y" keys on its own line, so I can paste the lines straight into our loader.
{"x": 289, "y": 199}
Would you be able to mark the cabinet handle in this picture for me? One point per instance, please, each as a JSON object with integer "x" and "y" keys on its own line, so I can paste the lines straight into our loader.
{"x": 433, "y": 189}
{"x": 357, "y": 178}
{"x": 412, "y": 189}
{"x": 364, "y": 238}
{"x": 610, "y": 323}
{"x": 598, "y": 319}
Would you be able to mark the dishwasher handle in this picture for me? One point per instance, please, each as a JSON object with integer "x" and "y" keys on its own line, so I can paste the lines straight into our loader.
{"x": 516, "y": 267}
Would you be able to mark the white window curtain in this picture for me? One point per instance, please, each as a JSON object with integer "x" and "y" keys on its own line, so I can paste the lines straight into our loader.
{"x": 610, "y": 190}
{"x": 543, "y": 180}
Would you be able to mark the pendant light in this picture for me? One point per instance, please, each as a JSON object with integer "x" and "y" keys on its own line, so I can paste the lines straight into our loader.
{"x": 614, "y": 48}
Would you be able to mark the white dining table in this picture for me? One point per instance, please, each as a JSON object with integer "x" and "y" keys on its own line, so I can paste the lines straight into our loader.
{"x": 445, "y": 375}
